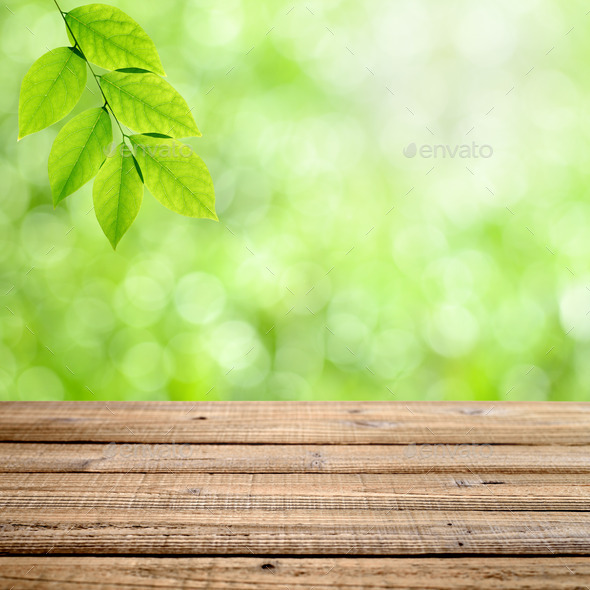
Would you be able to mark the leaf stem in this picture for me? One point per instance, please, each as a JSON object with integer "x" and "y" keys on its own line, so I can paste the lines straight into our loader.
{"x": 96, "y": 77}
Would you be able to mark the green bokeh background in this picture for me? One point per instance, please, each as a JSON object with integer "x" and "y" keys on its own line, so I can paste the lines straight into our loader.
{"x": 340, "y": 268}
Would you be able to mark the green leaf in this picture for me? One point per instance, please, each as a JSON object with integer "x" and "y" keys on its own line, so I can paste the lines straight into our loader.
{"x": 112, "y": 40}
{"x": 132, "y": 70}
{"x": 50, "y": 90}
{"x": 78, "y": 151}
{"x": 175, "y": 175}
{"x": 146, "y": 103}
{"x": 117, "y": 194}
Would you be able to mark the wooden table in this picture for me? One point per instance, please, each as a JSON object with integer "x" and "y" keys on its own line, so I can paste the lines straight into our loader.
{"x": 294, "y": 495}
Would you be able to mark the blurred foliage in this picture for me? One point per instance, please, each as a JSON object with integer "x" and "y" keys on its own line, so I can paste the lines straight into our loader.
{"x": 339, "y": 268}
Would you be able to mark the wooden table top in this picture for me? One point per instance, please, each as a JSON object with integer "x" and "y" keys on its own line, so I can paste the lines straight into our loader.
{"x": 294, "y": 495}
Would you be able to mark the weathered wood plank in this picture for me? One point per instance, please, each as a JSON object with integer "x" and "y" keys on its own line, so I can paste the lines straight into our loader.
{"x": 294, "y": 514}
{"x": 194, "y": 493}
{"x": 257, "y": 573}
{"x": 210, "y": 458}
{"x": 298, "y": 422}
{"x": 297, "y": 532}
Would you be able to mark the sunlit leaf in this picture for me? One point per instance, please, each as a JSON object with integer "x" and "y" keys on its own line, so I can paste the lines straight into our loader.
{"x": 78, "y": 151}
{"x": 146, "y": 103}
{"x": 50, "y": 90}
{"x": 117, "y": 194}
{"x": 111, "y": 39}
{"x": 175, "y": 175}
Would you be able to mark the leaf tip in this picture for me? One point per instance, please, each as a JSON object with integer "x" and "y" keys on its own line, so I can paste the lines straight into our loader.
{"x": 57, "y": 199}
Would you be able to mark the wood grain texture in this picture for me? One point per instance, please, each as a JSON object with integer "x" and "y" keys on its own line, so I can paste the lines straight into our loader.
{"x": 318, "y": 495}
{"x": 276, "y": 495}
{"x": 297, "y": 532}
{"x": 211, "y": 458}
{"x": 298, "y": 422}
{"x": 262, "y": 573}
{"x": 294, "y": 514}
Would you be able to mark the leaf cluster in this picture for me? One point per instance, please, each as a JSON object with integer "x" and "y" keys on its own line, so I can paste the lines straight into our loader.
{"x": 135, "y": 96}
